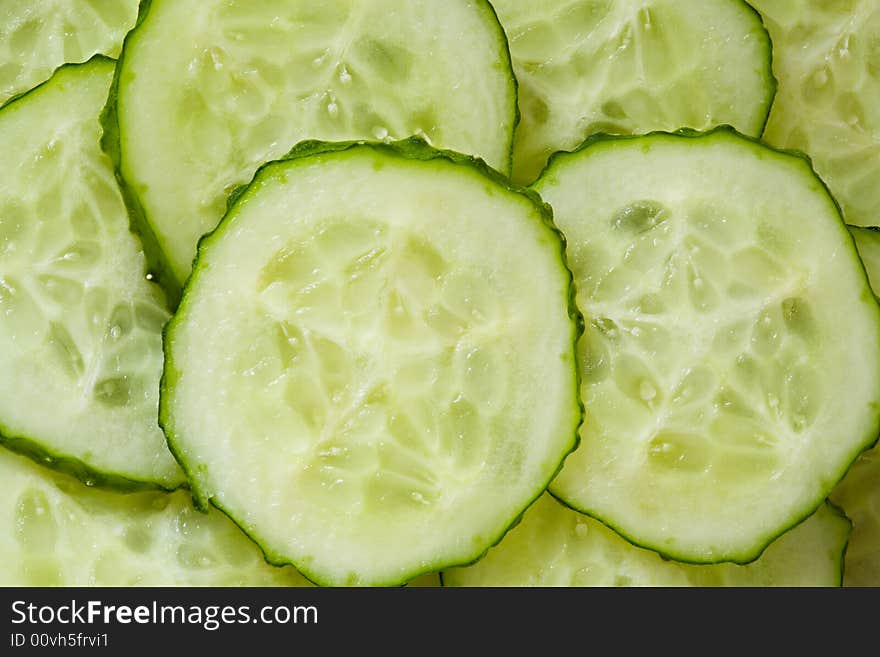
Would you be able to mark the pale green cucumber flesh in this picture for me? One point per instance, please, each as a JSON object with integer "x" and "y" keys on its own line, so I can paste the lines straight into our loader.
{"x": 80, "y": 327}
{"x": 38, "y": 36}
{"x": 859, "y": 492}
{"x": 632, "y": 66}
{"x": 826, "y": 56}
{"x": 58, "y": 532}
{"x": 556, "y": 546}
{"x": 356, "y": 379}
{"x": 240, "y": 83}
{"x": 716, "y": 278}
{"x": 868, "y": 245}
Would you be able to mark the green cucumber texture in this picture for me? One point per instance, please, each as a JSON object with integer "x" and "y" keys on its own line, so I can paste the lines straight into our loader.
{"x": 716, "y": 278}
{"x": 826, "y": 55}
{"x": 238, "y": 83}
{"x": 356, "y": 379}
{"x": 80, "y": 327}
{"x": 58, "y": 532}
{"x": 38, "y": 36}
{"x": 632, "y": 66}
{"x": 556, "y": 546}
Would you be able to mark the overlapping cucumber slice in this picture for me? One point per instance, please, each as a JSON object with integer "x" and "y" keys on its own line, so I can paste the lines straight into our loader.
{"x": 209, "y": 89}
{"x": 38, "y": 36}
{"x": 868, "y": 245}
{"x": 826, "y": 55}
{"x": 859, "y": 495}
{"x": 859, "y": 492}
{"x": 372, "y": 369}
{"x": 80, "y": 326}
{"x": 716, "y": 278}
{"x": 556, "y": 546}
{"x": 59, "y": 532}
{"x": 632, "y": 66}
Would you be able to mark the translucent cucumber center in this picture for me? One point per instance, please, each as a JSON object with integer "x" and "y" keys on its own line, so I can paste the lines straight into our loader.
{"x": 62, "y": 304}
{"x": 384, "y": 355}
{"x": 700, "y": 336}
{"x": 236, "y": 103}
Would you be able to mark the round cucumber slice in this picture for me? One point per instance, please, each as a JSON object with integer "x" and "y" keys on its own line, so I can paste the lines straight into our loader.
{"x": 556, "y": 546}
{"x": 362, "y": 373}
{"x": 826, "y": 55}
{"x": 632, "y": 66}
{"x": 38, "y": 36}
{"x": 716, "y": 278}
{"x": 238, "y": 83}
{"x": 80, "y": 326}
{"x": 58, "y": 532}
{"x": 859, "y": 492}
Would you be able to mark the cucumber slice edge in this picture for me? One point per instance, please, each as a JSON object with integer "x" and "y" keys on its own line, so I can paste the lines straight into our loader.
{"x": 803, "y": 160}
{"x": 159, "y": 267}
{"x": 80, "y": 470}
{"x": 413, "y": 148}
{"x": 34, "y": 450}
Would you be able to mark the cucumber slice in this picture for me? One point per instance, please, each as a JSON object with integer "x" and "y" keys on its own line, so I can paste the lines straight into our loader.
{"x": 555, "y": 546}
{"x": 80, "y": 327}
{"x": 716, "y": 278}
{"x": 59, "y": 532}
{"x": 38, "y": 36}
{"x": 859, "y": 492}
{"x": 239, "y": 83}
{"x": 356, "y": 379}
{"x": 827, "y": 59}
{"x": 632, "y": 66}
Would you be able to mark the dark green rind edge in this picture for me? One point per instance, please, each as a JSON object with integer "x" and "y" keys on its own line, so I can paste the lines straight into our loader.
{"x": 25, "y": 92}
{"x": 86, "y": 474}
{"x": 772, "y": 82}
{"x": 771, "y": 86}
{"x": 838, "y": 513}
{"x": 841, "y": 514}
{"x": 34, "y": 449}
{"x": 45, "y": 83}
{"x": 798, "y": 158}
{"x": 873, "y": 230}
{"x": 159, "y": 266}
{"x": 870, "y": 234}
{"x": 508, "y": 63}
{"x": 413, "y": 148}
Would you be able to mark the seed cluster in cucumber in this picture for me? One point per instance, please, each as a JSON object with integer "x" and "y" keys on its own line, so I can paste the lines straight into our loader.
{"x": 38, "y": 36}
{"x": 80, "y": 328}
{"x": 462, "y": 293}
{"x": 404, "y": 393}
{"x": 827, "y": 59}
{"x": 712, "y": 348}
{"x": 239, "y": 83}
